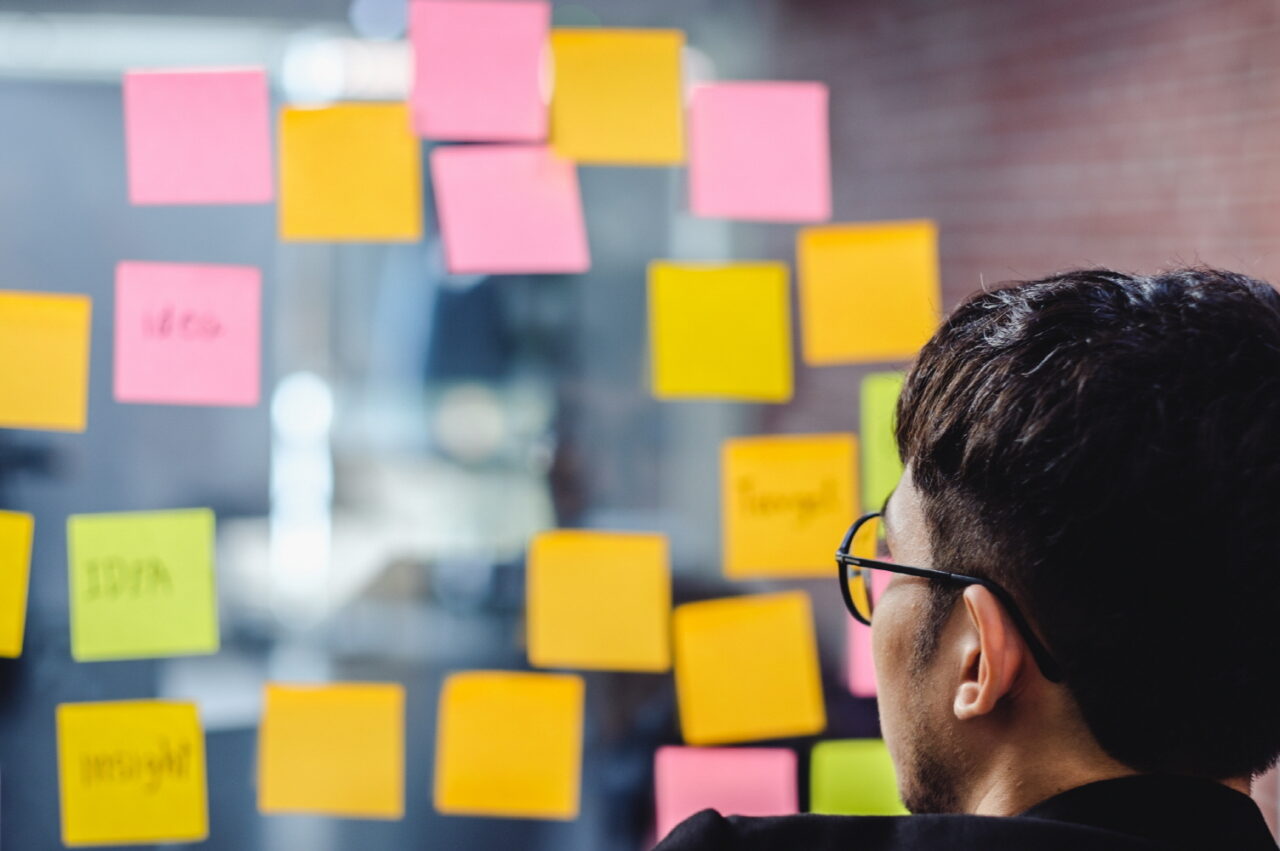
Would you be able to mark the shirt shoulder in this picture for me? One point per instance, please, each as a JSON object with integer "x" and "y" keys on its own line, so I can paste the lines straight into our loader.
{"x": 709, "y": 831}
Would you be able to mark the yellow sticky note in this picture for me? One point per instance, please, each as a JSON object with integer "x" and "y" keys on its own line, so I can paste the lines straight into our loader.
{"x": 617, "y": 96}
{"x": 599, "y": 600}
{"x": 881, "y": 466}
{"x": 336, "y": 749}
{"x": 44, "y": 360}
{"x": 747, "y": 669}
{"x": 868, "y": 292}
{"x": 131, "y": 772}
{"x": 786, "y": 502}
{"x": 510, "y": 744}
{"x": 350, "y": 172}
{"x": 853, "y": 777}
{"x": 720, "y": 331}
{"x": 142, "y": 584}
{"x": 15, "y": 572}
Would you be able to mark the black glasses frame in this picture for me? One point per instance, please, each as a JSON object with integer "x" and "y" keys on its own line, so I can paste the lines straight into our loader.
{"x": 846, "y": 562}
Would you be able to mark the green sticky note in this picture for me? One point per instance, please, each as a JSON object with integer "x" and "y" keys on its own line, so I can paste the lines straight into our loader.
{"x": 881, "y": 467}
{"x": 142, "y": 584}
{"x": 853, "y": 777}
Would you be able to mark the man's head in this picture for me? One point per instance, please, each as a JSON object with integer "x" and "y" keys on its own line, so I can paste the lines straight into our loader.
{"x": 1107, "y": 448}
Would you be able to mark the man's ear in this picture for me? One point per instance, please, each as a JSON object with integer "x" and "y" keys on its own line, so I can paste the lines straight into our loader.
{"x": 993, "y": 654}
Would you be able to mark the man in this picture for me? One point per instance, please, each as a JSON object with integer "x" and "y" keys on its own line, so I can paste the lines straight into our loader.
{"x": 1083, "y": 650}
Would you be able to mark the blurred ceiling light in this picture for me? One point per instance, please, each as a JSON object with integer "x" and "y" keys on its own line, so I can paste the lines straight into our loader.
{"x": 470, "y": 424}
{"x": 312, "y": 70}
{"x": 99, "y": 47}
{"x": 302, "y": 407}
{"x": 379, "y": 18}
{"x": 696, "y": 68}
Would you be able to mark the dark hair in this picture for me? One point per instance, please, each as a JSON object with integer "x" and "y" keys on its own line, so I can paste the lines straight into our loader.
{"x": 1107, "y": 447}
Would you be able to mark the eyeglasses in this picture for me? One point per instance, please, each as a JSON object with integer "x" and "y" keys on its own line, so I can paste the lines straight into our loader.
{"x": 858, "y": 554}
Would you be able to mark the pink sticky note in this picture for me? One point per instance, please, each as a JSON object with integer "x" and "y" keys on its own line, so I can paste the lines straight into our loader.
{"x": 732, "y": 781}
{"x": 860, "y": 670}
{"x": 760, "y": 151}
{"x": 509, "y": 209}
{"x": 477, "y": 66}
{"x": 198, "y": 137}
{"x": 187, "y": 334}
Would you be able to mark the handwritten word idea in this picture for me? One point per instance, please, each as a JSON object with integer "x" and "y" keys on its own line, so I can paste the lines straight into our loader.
{"x": 131, "y": 771}
{"x": 142, "y": 584}
{"x": 188, "y": 334}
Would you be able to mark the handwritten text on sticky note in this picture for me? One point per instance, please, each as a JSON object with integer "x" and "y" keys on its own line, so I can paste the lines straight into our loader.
{"x": 510, "y": 744}
{"x": 142, "y": 584}
{"x": 759, "y": 151}
{"x": 336, "y": 749}
{"x": 617, "y": 96}
{"x": 15, "y": 570}
{"x": 599, "y": 600}
{"x": 198, "y": 136}
{"x": 731, "y": 781}
{"x": 131, "y": 772}
{"x": 509, "y": 209}
{"x": 187, "y": 334}
{"x": 477, "y": 69}
{"x": 747, "y": 669}
{"x": 868, "y": 292}
{"x": 44, "y": 360}
{"x": 350, "y": 172}
{"x": 720, "y": 331}
{"x": 786, "y": 502}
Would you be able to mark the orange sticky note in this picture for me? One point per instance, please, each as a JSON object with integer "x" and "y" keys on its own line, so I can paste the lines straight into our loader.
{"x": 131, "y": 772}
{"x": 786, "y": 503}
{"x": 15, "y": 572}
{"x": 747, "y": 669}
{"x": 44, "y": 360}
{"x": 510, "y": 744}
{"x": 617, "y": 96}
{"x": 350, "y": 172}
{"x": 599, "y": 600}
{"x": 720, "y": 331}
{"x": 868, "y": 292}
{"x": 336, "y": 749}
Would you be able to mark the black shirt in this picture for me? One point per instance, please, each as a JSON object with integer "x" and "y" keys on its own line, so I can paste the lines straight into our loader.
{"x": 1142, "y": 813}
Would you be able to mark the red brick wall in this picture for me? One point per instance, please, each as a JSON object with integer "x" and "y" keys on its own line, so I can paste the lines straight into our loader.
{"x": 1041, "y": 135}
{"x": 1048, "y": 134}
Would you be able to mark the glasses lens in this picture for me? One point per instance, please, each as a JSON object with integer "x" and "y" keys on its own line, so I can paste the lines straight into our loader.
{"x": 865, "y": 544}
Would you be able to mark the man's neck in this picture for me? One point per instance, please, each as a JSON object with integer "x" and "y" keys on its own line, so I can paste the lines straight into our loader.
{"x": 1010, "y": 787}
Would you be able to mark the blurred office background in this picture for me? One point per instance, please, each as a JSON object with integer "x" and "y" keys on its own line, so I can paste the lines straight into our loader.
{"x": 417, "y": 428}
